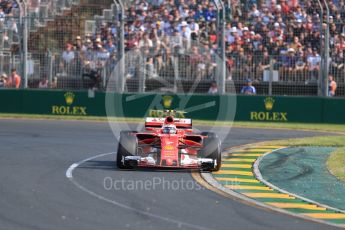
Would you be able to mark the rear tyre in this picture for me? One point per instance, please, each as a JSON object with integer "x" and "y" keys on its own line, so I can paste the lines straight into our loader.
{"x": 128, "y": 146}
{"x": 212, "y": 150}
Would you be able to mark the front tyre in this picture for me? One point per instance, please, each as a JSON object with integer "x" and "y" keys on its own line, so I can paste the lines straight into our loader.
{"x": 128, "y": 146}
{"x": 212, "y": 150}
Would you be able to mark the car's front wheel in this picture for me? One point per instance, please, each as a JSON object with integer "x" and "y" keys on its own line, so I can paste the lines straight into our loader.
{"x": 128, "y": 146}
{"x": 212, "y": 150}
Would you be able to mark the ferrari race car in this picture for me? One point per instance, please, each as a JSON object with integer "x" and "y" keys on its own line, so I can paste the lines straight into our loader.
{"x": 169, "y": 143}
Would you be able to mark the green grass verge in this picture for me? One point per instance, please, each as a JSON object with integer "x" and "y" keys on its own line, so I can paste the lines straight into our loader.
{"x": 324, "y": 141}
{"x": 335, "y": 162}
{"x": 57, "y": 117}
{"x": 298, "y": 126}
{"x": 267, "y": 125}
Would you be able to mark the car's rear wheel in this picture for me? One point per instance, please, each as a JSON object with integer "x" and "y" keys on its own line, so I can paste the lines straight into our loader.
{"x": 128, "y": 146}
{"x": 212, "y": 150}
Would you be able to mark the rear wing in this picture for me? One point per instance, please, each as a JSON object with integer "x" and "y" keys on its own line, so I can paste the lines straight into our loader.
{"x": 157, "y": 122}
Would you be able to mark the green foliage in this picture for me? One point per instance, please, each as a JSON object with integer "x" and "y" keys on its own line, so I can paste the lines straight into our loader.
{"x": 322, "y": 141}
{"x": 336, "y": 163}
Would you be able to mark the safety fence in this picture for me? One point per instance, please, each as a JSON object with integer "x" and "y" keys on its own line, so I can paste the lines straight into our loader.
{"x": 178, "y": 72}
{"x": 82, "y": 44}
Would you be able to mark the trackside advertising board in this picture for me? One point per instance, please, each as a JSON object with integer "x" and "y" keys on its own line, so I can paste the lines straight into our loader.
{"x": 200, "y": 107}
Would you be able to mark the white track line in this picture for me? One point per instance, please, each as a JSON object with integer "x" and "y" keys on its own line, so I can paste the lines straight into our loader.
{"x": 69, "y": 175}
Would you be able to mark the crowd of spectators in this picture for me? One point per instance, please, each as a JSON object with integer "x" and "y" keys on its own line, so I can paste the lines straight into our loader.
{"x": 290, "y": 33}
{"x": 160, "y": 31}
{"x": 89, "y": 56}
{"x": 8, "y": 24}
{"x": 260, "y": 32}
{"x": 174, "y": 31}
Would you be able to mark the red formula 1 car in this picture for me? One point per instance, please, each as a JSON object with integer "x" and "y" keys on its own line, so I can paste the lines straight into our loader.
{"x": 169, "y": 143}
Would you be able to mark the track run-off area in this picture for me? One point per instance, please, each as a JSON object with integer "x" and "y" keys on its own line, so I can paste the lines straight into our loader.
{"x": 241, "y": 176}
{"x": 62, "y": 175}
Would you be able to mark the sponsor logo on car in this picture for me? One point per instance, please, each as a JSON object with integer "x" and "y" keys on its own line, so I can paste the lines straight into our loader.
{"x": 168, "y": 147}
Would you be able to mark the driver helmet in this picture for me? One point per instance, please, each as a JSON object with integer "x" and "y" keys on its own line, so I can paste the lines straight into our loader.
{"x": 169, "y": 129}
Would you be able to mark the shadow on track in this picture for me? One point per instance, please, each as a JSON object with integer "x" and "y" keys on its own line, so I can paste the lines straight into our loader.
{"x": 111, "y": 165}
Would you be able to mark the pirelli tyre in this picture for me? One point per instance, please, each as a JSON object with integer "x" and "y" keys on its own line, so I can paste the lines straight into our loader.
{"x": 128, "y": 146}
{"x": 212, "y": 150}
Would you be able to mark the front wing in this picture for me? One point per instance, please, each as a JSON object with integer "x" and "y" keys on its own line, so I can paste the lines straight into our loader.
{"x": 150, "y": 162}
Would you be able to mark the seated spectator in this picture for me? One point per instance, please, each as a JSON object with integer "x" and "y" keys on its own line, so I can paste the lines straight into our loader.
{"x": 54, "y": 83}
{"x": 8, "y": 7}
{"x": 78, "y": 45}
{"x": 296, "y": 45}
{"x": 194, "y": 27}
{"x": 2, "y": 17}
{"x": 340, "y": 42}
{"x": 102, "y": 55}
{"x": 213, "y": 88}
{"x": 14, "y": 80}
{"x": 313, "y": 64}
{"x": 68, "y": 54}
{"x": 145, "y": 42}
{"x": 300, "y": 65}
{"x": 93, "y": 74}
{"x": 337, "y": 63}
{"x": 289, "y": 62}
{"x": 150, "y": 68}
{"x": 197, "y": 63}
{"x": 110, "y": 47}
{"x": 249, "y": 89}
{"x": 67, "y": 58}
{"x": 332, "y": 88}
{"x": 3, "y": 80}
{"x": 264, "y": 61}
{"x": 185, "y": 33}
{"x": 43, "y": 84}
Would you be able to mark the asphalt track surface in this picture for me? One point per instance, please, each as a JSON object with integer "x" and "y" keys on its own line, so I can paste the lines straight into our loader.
{"x": 36, "y": 194}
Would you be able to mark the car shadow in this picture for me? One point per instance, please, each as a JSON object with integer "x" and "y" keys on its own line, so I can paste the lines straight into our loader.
{"x": 158, "y": 169}
{"x": 99, "y": 165}
{"x": 111, "y": 165}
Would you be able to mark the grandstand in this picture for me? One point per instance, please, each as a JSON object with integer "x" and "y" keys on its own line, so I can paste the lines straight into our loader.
{"x": 279, "y": 44}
